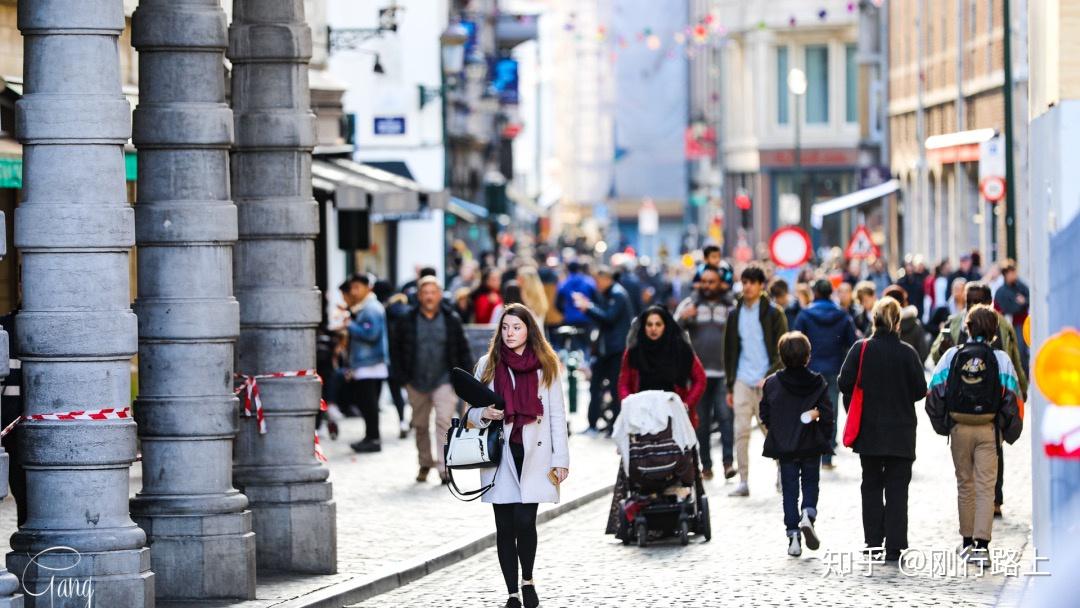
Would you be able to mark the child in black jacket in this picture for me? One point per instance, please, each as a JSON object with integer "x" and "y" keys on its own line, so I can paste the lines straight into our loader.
{"x": 799, "y": 420}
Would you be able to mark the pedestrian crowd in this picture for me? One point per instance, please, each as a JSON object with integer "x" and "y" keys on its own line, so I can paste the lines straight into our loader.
{"x": 744, "y": 346}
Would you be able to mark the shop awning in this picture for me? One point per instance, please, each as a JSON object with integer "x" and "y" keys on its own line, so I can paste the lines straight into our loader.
{"x": 959, "y": 147}
{"x": 469, "y": 212}
{"x": 848, "y": 201}
{"x": 354, "y": 191}
{"x": 426, "y": 198}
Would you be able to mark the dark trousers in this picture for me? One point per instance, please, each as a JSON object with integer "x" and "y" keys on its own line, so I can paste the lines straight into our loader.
{"x": 999, "y": 498}
{"x": 364, "y": 393}
{"x": 713, "y": 403}
{"x": 833, "y": 391}
{"x": 515, "y": 533}
{"x": 793, "y": 473}
{"x": 605, "y": 380}
{"x": 399, "y": 399}
{"x": 885, "y": 481}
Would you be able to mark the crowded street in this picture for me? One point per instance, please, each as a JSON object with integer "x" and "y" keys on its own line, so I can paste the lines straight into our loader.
{"x": 539, "y": 303}
{"x": 744, "y": 563}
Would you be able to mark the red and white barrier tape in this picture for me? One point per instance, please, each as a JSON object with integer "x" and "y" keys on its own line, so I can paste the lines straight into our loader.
{"x": 109, "y": 413}
{"x": 250, "y": 387}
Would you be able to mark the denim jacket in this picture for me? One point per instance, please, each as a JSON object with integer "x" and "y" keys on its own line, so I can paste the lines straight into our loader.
{"x": 367, "y": 335}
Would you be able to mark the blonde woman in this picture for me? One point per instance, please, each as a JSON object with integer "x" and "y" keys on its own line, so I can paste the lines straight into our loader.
{"x": 533, "y": 295}
{"x": 521, "y": 367}
{"x": 893, "y": 382}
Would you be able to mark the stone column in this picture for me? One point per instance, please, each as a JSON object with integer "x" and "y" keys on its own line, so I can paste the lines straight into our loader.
{"x": 198, "y": 526}
{"x": 9, "y": 585}
{"x": 77, "y": 333}
{"x": 270, "y": 46}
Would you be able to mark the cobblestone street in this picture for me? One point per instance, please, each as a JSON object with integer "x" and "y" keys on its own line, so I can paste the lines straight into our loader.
{"x": 746, "y": 563}
{"x": 384, "y": 517}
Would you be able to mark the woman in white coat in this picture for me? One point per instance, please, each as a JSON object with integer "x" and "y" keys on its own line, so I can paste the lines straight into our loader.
{"x": 523, "y": 369}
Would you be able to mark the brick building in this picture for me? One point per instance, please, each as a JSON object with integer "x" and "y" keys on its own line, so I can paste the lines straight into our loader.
{"x": 947, "y": 123}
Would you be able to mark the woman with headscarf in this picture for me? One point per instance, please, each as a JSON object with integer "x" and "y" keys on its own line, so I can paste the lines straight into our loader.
{"x": 658, "y": 357}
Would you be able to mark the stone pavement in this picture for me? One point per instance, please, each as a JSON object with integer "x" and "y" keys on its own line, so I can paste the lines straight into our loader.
{"x": 385, "y": 519}
{"x": 746, "y": 563}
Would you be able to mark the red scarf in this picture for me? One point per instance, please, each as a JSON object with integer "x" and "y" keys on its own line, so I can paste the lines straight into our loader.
{"x": 521, "y": 394}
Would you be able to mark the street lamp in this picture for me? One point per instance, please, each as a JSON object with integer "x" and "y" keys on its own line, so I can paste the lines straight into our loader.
{"x": 452, "y": 41}
{"x": 796, "y": 83}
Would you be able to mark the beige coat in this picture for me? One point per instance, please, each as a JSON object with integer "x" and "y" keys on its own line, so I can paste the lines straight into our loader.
{"x": 545, "y": 449}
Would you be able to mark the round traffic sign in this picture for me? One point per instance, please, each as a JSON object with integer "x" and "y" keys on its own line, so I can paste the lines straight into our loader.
{"x": 790, "y": 247}
{"x": 993, "y": 188}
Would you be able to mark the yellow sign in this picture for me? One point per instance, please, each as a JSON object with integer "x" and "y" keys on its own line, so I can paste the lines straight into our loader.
{"x": 1057, "y": 368}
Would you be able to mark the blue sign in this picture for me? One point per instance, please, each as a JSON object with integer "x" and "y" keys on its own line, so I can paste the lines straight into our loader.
{"x": 389, "y": 125}
{"x": 504, "y": 80}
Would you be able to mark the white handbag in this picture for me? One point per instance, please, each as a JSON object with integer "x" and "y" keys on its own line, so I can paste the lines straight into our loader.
{"x": 472, "y": 448}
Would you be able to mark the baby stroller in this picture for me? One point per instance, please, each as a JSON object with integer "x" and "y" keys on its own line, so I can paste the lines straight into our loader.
{"x": 666, "y": 496}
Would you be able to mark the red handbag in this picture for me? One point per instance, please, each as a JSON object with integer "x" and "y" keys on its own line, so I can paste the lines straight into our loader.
{"x": 854, "y": 414}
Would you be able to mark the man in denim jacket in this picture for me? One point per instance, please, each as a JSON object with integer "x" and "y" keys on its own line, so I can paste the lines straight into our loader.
{"x": 368, "y": 357}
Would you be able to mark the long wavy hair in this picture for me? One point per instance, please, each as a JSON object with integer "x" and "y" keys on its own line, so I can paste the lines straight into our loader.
{"x": 549, "y": 361}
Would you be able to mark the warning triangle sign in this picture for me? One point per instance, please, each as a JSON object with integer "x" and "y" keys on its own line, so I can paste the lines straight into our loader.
{"x": 861, "y": 245}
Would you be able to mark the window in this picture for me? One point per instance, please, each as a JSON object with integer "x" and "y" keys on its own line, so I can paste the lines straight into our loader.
{"x": 782, "y": 93}
{"x": 817, "y": 84}
{"x": 851, "y": 109}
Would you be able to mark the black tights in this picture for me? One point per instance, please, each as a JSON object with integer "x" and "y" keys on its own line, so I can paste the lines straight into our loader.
{"x": 515, "y": 533}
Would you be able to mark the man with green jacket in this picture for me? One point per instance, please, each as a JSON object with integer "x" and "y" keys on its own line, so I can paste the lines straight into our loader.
{"x": 751, "y": 354}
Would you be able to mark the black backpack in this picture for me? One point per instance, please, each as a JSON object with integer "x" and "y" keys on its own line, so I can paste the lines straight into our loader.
{"x": 974, "y": 383}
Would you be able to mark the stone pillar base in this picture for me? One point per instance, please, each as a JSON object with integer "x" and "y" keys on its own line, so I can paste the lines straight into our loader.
{"x": 201, "y": 557}
{"x": 296, "y": 525}
{"x": 115, "y": 578}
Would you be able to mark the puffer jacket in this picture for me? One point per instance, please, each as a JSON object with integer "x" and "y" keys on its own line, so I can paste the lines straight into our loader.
{"x": 831, "y": 333}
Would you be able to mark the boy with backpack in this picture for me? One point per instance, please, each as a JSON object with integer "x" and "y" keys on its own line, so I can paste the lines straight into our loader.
{"x": 975, "y": 400}
{"x": 800, "y": 421}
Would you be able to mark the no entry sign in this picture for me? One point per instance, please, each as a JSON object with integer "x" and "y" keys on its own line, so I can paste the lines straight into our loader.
{"x": 790, "y": 247}
{"x": 993, "y": 188}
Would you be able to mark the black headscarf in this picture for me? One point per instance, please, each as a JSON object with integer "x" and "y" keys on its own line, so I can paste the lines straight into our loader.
{"x": 661, "y": 364}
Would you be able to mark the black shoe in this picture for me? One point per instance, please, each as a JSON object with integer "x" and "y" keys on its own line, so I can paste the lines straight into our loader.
{"x": 528, "y": 593}
{"x": 363, "y": 447}
{"x": 333, "y": 429}
{"x": 876, "y": 554}
{"x": 512, "y": 602}
{"x": 892, "y": 556}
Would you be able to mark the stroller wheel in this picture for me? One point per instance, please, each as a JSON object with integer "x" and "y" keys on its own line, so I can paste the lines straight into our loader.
{"x": 684, "y": 532}
{"x": 642, "y": 533}
{"x": 704, "y": 522}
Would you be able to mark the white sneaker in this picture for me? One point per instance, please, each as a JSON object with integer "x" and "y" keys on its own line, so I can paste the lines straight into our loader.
{"x": 980, "y": 557}
{"x": 807, "y": 528}
{"x": 743, "y": 489}
{"x": 794, "y": 548}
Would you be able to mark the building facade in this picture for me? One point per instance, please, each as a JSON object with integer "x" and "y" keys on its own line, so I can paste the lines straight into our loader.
{"x": 947, "y": 125}
{"x": 788, "y": 152}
